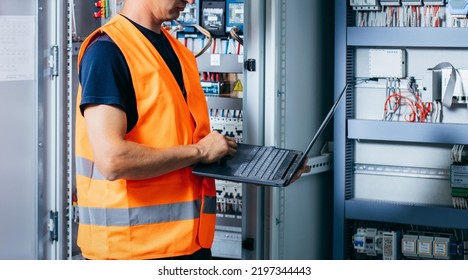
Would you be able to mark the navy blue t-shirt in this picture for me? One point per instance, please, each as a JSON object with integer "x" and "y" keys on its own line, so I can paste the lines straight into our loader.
{"x": 105, "y": 77}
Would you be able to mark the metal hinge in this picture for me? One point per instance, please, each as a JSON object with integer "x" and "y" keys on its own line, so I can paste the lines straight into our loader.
{"x": 53, "y": 61}
{"x": 250, "y": 65}
{"x": 53, "y": 226}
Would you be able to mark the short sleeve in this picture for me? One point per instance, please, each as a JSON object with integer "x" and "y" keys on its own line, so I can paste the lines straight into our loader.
{"x": 105, "y": 79}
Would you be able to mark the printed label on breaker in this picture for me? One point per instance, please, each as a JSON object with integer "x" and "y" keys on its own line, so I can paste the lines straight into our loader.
{"x": 440, "y": 249}
{"x": 424, "y": 248}
{"x": 409, "y": 246}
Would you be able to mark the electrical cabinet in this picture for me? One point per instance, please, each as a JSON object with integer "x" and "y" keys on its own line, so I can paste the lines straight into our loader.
{"x": 226, "y": 116}
{"x": 393, "y": 173}
{"x": 286, "y": 85}
{"x": 285, "y": 76}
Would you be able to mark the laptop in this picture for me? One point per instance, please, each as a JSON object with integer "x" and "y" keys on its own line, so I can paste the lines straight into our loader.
{"x": 263, "y": 165}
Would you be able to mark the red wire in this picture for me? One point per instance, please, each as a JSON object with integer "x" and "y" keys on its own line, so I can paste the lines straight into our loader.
{"x": 418, "y": 108}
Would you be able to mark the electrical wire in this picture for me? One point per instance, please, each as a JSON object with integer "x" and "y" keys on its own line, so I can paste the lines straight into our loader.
{"x": 418, "y": 109}
{"x": 214, "y": 47}
{"x": 202, "y": 31}
{"x": 396, "y": 99}
{"x": 407, "y": 16}
{"x": 226, "y": 50}
{"x": 235, "y": 35}
{"x": 207, "y": 35}
{"x": 458, "y": 153}
{"x": 173, "y": 29}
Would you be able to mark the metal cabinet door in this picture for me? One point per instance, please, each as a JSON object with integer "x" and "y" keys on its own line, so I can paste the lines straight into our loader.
{"x": 30, "y": 133}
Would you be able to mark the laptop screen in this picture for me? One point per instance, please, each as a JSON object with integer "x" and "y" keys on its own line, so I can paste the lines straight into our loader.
{"x": 324, "y": 123}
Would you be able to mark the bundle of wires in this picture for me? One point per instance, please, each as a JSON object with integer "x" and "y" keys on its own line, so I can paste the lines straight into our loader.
{"x": 202, "y": 31}
{"x": 234, "y": 34}
{"x": 419, "y": 110}
{"x": 456, "y": 153}
{"x": 416, "y": 109}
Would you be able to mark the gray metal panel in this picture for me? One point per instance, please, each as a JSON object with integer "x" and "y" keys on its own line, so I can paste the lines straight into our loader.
{"x": 19, "y": 150}
{"x": 426, "y": 215}
{"x": 32, "y": 162}
{"x": 408, "y": 132}
{"x": 59, "y": 124}
{"x": 18, "y": 170}
{"x": 85, "y": 23}
{"x": 407, "y": 37}
{"x": 253, "y": 122}
{"x": 215, "y": 102}
{"x": 304, "y": 219}
{"x": 339, "y": 160}
{"x": 228, "y": 63}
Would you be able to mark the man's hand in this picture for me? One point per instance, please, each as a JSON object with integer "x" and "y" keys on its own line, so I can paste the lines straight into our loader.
{"x": 304, "y": 169}
{"x": 215, "y": 146}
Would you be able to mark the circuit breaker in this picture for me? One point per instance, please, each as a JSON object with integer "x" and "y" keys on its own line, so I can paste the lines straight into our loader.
{"x": 368, "y": 241}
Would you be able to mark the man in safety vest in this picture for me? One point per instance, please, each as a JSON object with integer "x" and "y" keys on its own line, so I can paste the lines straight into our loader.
{"x": 142, "y": 121}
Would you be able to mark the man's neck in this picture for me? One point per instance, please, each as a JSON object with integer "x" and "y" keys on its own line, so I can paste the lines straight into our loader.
{"x": 143, "y": 19}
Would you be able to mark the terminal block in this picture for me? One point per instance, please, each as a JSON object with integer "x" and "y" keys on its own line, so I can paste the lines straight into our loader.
{"x": 390, "y": 2}
{"x": 408, "y": 245}
{"x": 425, "y": 244}
{"x": 365, "y": 5}
{"x": 441, "y": 248}
{"x": 411, "y": 2}
{"x": 434, "y": 2}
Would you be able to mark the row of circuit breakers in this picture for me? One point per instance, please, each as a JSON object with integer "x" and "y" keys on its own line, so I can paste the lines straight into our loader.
{"x": 216, "y": 16}
{"x": 455, "y": 7}
{"x": 395, "y": 245}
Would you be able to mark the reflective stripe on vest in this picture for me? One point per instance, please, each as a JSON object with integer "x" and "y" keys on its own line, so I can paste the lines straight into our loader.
{"x": 87, "y": 168}
{"x": 145, "y": 215}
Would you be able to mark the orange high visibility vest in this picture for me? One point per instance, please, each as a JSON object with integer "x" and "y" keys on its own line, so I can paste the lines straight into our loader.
{"x": 170, "y": 215}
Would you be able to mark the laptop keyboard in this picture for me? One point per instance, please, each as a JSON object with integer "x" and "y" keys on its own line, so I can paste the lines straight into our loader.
{"x": 264, "y": 164}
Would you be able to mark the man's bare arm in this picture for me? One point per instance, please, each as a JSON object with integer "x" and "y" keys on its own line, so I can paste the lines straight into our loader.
{"x": 117, "y": 158}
